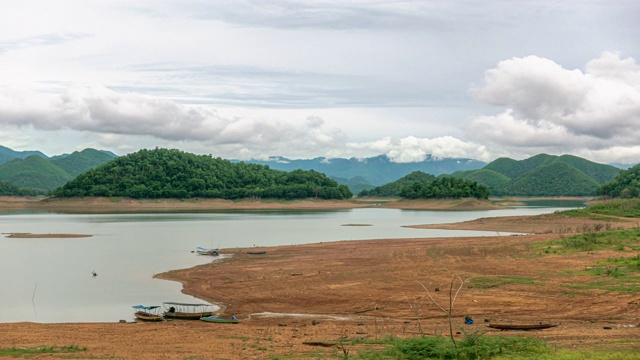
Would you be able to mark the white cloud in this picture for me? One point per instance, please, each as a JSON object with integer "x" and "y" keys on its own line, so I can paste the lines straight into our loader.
{"x": 413, "y": 149}
{"x": 111, "y": 116}
{"x": 552, "y": 109}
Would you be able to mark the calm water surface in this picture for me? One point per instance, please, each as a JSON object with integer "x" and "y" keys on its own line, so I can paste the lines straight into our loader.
{"x": 50, "y": 280}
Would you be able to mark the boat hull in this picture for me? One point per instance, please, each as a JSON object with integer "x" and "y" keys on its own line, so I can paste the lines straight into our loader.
{"x": 217, "y": 320}
{"x": 521, "y": 327}
{"x": 145, "y": 316}
{"x": 186, "y": 315}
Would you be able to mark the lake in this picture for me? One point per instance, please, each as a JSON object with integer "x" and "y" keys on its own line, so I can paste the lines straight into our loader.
{"x": 50, "y": 279}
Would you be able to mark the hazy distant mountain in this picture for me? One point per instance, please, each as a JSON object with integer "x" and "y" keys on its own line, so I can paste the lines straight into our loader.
{"x": 378, "y": 170}
{"x": 622, "y": 166}
{"x": 7, "y": 154}
{"x": 542, "y": 175}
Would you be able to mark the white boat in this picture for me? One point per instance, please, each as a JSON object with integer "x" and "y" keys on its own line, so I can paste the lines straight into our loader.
{"x": 203, "y": 251}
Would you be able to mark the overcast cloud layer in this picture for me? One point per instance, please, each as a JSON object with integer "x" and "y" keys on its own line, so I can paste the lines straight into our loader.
{"x": 302, "y": 79}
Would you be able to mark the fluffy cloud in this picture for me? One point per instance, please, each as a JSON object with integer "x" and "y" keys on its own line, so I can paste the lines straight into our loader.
{"x": 553, "y": 109}
{"x": 413, "y": 149}
{"x": 109, "y": 115}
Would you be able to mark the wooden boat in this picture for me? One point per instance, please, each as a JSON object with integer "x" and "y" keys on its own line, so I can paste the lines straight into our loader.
{"x": 182, "y": 311}
{"x": 148, "y": 313}
{"x": 522, "y": 327}
{"x": 203, "y": 251}
{"x": 218, "y": 320}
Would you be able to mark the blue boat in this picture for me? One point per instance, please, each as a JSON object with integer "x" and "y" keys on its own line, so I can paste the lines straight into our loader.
{"x": 214, "y": 319}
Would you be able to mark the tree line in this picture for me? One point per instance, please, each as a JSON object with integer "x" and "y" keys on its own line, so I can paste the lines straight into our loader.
{"x": 170, "y": 173}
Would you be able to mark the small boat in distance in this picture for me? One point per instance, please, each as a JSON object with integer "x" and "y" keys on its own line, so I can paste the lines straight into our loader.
{"x": 182, "y": 311}
{"x": 203, "y": 251}
{"x": 522, "y": 327}
{"x": 256, "y": 252}
{"x": 214, "y": 319}
{"x": 148, "y": 313}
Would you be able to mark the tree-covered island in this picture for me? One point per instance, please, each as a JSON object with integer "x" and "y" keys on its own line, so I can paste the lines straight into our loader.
{"x": 170, "y": 173}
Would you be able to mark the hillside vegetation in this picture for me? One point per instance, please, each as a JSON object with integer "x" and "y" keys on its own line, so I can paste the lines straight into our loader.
{"x": 542, "y": 175}
{"x": 80, "y": 161}
{"x": 395, "y": 188}
{"x": 7, "y": 189}
{"x": 33, "y": 172}
{"x": 446, "y": 187}
{"x": 38, "y": 174}
{"x": 625, "y": 185}
{"x": 164, "y": 173}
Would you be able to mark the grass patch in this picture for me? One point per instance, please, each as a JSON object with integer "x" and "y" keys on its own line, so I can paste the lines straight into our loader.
{"x": 605, "y": 240}
{"x": 30, "y": 352}
{"x": 486, "y": 282}
{"x": 474, "y": 346}
{"x": 616, "y": 207}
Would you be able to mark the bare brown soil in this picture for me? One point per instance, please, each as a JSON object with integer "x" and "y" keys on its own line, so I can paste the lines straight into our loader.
{"x": 106, "y": 205}
{"x": 302, "y": 299}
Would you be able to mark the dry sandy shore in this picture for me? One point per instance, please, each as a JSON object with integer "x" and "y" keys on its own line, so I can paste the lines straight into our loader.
{"x": 300, "y": 300}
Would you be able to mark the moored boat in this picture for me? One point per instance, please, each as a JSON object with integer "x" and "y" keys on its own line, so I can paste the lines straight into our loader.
{"x": 522, "y": 327}
{"x": 213, "y": 319}
{"x": 148, "y": 313}
{"x": 183, "y": 311}
{"x": 203, "y": 251}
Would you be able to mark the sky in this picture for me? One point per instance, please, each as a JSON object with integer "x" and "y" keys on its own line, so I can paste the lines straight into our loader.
{"x": 250, "y": 79}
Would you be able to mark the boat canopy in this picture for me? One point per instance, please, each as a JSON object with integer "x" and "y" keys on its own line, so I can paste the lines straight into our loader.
{"x": 184, "y": 304}
{"x": 142, "y": 307}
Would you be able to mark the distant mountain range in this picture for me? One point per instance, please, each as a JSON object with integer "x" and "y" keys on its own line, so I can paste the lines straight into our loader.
{"x": 34, "y": 170}
{"x": 373, "y": 171}
{"x": 542, "y": 175}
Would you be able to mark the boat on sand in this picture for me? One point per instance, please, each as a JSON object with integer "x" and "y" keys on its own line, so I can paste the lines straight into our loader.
{"x": 204, "y": 251}
{"x": 183, "y": 311}
{"x": 148, "y": 313}
{"x": 522, "y": 327}
{"x": 218, "y": 320}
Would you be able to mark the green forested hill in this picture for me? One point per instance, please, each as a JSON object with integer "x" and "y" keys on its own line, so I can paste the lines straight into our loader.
{"x": 163, "y": 173}
{"x": 81, "y": 161}
{"x": 599, "y": 172}
{"x": 33, "y": 172}
{"x": 490, "y": 178}
{"x": 556, "y": 179}
{"x": 514, "y": 168}
{"x": 445, "y": 187}
{"x": 394, "y": 188}
{"x": 44, "y": 174}
{"x": 625, "y": 185}
{"x": 542, "y": 175}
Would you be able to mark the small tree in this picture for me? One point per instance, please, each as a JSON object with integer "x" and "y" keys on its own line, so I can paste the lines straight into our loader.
{"x": 452, "y": 300}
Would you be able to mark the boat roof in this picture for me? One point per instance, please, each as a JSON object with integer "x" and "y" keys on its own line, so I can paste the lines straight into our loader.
{"x": 184, "y": 304}
{"x": 145, "y": 307}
